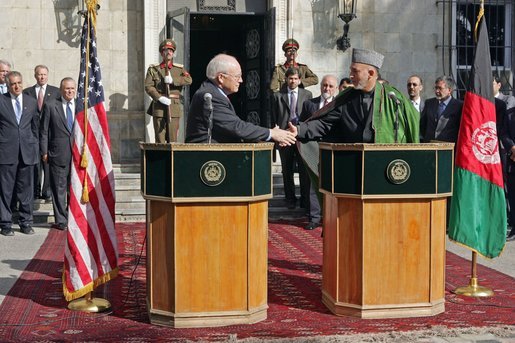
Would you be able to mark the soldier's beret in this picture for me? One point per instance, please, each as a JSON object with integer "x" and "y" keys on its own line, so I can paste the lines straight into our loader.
{"x": 290, "y": 43}
{"x": 369, "y": 57}
{"x": 167, "y": 44}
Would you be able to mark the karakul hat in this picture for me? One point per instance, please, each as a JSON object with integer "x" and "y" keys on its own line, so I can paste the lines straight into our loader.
{"x": 369, "y": 57}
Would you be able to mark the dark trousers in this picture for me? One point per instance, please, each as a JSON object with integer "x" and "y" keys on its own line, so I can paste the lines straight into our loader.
{"x": 16, "y": 180}
{"x": 290, "y": 159}
{"x": 510, "y": 189}
{"x": 59, "y": 184}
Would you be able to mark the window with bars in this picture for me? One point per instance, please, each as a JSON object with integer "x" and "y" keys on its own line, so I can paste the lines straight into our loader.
{"x": 499, "y": 20}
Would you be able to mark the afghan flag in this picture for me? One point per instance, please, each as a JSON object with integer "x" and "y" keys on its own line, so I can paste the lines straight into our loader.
{"x": 478, "y": 209}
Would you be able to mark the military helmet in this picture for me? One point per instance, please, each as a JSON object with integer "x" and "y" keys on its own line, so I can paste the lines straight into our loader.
{"x": 290, "y": 43}
{"x": 167, "y": 44}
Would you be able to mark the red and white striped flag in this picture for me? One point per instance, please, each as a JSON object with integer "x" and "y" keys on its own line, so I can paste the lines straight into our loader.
{"x": 91, "y": 252}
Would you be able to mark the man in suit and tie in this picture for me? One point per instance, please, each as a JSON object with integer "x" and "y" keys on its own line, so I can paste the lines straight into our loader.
{"x": 415, "y": 86}
{"x": 287, "y": 107}
{"x": 440, "y": 119}
{"x": 56, "y": 140}
{"x": 42, "y": 92}
{"x": 328, "y": 90}
{"x": 18, "y": 154}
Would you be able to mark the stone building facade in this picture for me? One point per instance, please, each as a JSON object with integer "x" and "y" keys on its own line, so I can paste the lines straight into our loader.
{"x": 411, "y": 34}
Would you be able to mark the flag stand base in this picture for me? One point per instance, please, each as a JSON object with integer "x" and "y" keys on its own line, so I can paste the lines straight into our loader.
{"x": 474, "y": 290}
{"x": 89, "y": 304}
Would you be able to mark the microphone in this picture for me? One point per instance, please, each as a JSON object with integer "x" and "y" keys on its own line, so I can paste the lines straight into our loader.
{"x": 394, "y": 98}
{"x": 208, "y": 103}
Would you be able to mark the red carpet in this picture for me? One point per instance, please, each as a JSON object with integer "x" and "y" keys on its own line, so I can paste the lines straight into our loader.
{"x": 35, "y": 310}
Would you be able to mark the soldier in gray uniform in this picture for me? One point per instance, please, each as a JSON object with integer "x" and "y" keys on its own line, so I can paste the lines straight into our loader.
{"x": 164, "y": 84}
{"x": 307, "y": 77}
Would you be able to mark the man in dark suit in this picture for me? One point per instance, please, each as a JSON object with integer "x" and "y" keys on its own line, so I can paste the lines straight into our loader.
{"x": 440, "y": 119}
{"x": 42, "y": 92}
{"x": 224, "y": 78}
{"x": 18, "y": 154}
{"x": 56, "y": 141}
{"x": 286, "y": 107}
{"x": 414, "y": 86}
{"x": 328, "y": 90}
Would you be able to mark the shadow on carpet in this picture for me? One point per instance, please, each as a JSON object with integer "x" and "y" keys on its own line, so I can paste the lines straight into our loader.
{"x": 35, "y": 309}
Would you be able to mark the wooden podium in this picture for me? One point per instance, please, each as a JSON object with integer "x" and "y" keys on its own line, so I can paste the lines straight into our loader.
{"x": 384, "y": 228}
{"x": 207, "y": 232}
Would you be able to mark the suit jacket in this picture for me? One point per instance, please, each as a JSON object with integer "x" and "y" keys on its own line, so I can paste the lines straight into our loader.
{"x": 227, "y": 126}
{"x": 23, "y": 137}
{"x": 51, "y": 93}
{"x": 309, "y": 107}
{"x": 281, "y": 106}
{"x": 56, "y": 139}
{"x": 444, "y": 129}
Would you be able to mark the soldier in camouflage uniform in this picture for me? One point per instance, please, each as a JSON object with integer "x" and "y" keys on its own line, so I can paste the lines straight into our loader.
{"x": 307, "y": 77}
{"x": 156, "y": 83}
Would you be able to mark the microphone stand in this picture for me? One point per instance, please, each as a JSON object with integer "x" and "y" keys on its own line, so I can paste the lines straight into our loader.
{"x": 396, "y": 124}
{"x": 210, "y": 126}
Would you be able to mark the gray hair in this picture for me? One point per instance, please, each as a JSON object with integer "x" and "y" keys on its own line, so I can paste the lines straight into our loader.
{"x": 449, "y": 81}
{"x": 12, "y": 73}
{"x": 221, "y": 63}
{"x": 5, "y": 63}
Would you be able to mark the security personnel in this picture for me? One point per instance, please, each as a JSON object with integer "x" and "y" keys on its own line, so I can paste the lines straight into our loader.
{"x": 307, "y": 77}
{"x": 166, "y": 100}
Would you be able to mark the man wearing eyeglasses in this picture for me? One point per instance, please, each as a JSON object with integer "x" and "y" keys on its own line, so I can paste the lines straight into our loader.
{"x": 307, "y": 77}
{"x": 224, "y": 77}
{"x": 415, "y": 86}
{"x": 440, "y": 119}
{"x": 164, "y": 83}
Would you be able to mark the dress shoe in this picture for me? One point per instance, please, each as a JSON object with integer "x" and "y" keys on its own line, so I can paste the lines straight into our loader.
{"x": 511, "y": 237}
{"x": 7, "y": 232}
{"x": 61, "y": 227}
{"x": 311, "y": 226}
{"x": 27, "y": 229}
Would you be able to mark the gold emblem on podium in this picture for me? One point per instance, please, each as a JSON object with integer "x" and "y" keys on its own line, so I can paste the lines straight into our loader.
{"x": 212, "y": 173}
{"x": 398, "y": 171}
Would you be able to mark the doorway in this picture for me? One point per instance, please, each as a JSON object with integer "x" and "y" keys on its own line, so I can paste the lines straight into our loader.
{"x": 242, "y": 35}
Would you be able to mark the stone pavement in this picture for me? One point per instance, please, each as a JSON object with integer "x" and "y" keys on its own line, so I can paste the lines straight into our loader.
{"x": 16, "y": 252}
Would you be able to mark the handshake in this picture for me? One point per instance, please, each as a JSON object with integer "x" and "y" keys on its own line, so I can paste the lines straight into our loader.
{"x": 284, "y": 137}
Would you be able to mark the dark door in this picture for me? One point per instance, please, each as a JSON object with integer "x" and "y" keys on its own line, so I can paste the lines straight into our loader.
{"x": 240, "y": 35}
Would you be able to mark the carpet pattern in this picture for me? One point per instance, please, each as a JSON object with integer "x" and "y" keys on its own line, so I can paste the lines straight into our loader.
{"x": 35, "y": 309}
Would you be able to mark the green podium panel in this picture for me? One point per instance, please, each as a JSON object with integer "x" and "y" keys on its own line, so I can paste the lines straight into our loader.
{"x": 387, "y": 170}
{"x": 207, "y": 172}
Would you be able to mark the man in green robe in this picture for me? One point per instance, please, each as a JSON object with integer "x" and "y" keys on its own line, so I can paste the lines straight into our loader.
{"x": 370, "y": 112}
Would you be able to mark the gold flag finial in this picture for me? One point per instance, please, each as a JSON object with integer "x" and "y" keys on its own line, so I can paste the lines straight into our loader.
{"x": 479, "y": 16}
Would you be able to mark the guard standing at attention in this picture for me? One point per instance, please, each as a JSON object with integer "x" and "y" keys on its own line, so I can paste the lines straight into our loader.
{"x": 307, "y": 77}
{"x": 164, "y": 84}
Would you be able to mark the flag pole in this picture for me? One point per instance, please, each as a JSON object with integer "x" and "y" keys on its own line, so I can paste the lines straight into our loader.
{"x": 473, "y": 289}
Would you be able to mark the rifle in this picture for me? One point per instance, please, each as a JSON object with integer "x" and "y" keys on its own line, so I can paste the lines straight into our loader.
{"x": 168, "y": 110}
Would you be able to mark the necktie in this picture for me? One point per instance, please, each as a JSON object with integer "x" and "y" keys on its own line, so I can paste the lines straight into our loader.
{"x": 69, "y": 115}
{"x": 3, "y": 88}
{"x": 18, "y": 110}
{"x": 293, "y": 108}
{"x": 326, "y": 102}
{"x": 41, "y": 96}
{"x": 441, "y": 108}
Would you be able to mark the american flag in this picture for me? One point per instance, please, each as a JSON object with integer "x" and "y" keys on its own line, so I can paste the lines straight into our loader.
{"x": 91, "y": 252}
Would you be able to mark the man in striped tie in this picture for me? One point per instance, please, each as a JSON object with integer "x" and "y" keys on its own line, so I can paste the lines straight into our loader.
{"x": 42, "y": 92}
